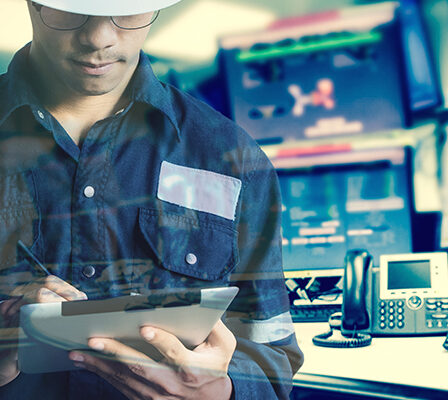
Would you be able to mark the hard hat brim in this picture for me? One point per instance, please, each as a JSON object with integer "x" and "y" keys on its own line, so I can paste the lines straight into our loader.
{"x": 108, "y": 8}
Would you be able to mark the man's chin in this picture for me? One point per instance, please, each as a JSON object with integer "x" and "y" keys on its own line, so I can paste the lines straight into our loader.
{"x": 96, "y": 92}
{"x": 87, "y": 90}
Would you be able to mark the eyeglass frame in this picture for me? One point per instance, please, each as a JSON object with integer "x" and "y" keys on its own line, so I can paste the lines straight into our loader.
{"x": 38, "y": 8}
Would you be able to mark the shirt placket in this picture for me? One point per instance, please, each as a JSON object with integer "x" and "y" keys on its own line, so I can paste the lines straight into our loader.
{"x": 87, "y": 228}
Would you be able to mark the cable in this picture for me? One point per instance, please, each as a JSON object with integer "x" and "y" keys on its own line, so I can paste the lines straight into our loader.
{"x": 331, "y": 339}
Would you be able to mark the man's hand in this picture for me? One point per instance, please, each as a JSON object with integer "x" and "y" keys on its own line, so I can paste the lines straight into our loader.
{"x": 47, "y": 289}
{"x": 183, "y": 374}
{"x": 42, "y": 290}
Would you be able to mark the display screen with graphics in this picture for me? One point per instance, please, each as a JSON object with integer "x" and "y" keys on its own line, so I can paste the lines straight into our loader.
{"x": 409, "y": 274}
{"x": 347, "y": 204}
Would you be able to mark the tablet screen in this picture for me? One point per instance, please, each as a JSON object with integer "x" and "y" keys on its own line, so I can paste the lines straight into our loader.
{"x": 157, "y": 299}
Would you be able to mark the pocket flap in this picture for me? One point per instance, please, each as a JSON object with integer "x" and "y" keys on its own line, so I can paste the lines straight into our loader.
{"x": 190, "y": 246}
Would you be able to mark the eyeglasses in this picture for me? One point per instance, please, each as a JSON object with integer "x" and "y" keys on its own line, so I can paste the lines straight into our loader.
{"x": 67, "y": 21}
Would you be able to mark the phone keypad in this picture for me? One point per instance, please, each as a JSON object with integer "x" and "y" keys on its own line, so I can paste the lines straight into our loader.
{"x": 391, "y": 314}
{"x": 436, "y": 313}
{"x": 399, "y": 316}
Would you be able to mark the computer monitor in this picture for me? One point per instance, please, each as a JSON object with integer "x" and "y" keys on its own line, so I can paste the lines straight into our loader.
{"x": 332, "y": 204}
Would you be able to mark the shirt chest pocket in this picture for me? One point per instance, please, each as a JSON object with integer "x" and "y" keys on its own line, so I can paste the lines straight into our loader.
{"x": 189, "y": 248}
{"x": 19, "y": 214}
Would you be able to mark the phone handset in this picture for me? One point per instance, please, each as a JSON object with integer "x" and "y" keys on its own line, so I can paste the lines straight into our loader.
{"x": 346, "y": 327}
{"x": 357, "y": 276}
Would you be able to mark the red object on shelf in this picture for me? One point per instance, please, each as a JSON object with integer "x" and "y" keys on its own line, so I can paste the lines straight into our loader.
{"x": 305, "y": 20}
{"x": 306, "y": 151}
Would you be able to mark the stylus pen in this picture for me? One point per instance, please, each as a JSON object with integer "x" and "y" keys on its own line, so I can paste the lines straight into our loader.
{"x": 31, "y": 258}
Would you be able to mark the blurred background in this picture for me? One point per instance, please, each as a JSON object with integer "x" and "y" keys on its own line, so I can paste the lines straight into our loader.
{"x": 348, "y": 98}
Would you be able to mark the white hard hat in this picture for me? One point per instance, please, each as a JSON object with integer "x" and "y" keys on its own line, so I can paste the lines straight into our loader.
{"x": 108, "y": 8}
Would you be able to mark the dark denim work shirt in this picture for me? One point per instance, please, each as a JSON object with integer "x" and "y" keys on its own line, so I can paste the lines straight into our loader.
{"x": 167, "y": 193}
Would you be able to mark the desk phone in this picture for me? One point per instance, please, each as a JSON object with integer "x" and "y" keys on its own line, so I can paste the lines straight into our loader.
{"x": 406, "y": 295}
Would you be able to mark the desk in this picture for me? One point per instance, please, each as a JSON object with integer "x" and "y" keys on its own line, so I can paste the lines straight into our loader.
{"x": 412, "y": 361}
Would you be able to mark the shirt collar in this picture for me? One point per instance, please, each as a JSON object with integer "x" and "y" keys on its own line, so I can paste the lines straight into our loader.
{"x": 16, "y": 91}
{"x": 148, "y": 89}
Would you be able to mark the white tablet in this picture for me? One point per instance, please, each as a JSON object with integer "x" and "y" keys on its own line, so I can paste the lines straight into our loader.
{"x": 54, "y": 329}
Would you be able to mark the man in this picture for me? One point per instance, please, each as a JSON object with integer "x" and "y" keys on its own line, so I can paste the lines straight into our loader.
{"x": 120, "y": 184}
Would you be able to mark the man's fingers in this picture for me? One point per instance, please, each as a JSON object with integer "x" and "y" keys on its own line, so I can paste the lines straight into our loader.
{"x": 123, "y": 365}
{"x": 14, "y": 308}
{"x": 42, "y": 290}
{"x": 119, "y": 375}
{"x": 96, "y": 362}
{"x": 112, "y": 371}
{"x": 7, "y": 304}
{"x": 120, "y": 352}
{"x": 167, "y": 344}
{"x": 42, "y": 295}
{"x": 119, "y": 364}
{"x": 63, "y": 289}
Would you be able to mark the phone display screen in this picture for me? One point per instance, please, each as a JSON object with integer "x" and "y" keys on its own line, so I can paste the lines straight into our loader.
{"x": 409, "y": 275}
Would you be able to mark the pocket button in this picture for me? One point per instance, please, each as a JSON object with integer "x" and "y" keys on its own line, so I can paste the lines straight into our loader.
{"x": 191, "y": 259}
{"x": 88, "y": 271}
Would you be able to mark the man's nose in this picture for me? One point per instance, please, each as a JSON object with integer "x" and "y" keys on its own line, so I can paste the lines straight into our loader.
{"x": 98, "y": 33}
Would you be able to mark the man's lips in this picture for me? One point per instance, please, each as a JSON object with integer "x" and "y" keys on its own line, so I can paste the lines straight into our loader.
{"x": 93, "y": 68}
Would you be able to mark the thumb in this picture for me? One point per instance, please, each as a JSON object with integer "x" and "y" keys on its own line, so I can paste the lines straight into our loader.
{"x": 221, "y": 336}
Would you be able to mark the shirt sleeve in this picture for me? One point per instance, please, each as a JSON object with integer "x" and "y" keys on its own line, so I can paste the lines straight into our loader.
{"x": 267, "y": 354}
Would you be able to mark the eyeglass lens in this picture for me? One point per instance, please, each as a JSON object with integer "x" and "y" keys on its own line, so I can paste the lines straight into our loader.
{"x": 135, "y": 21}
{"x": 63, "y": 20}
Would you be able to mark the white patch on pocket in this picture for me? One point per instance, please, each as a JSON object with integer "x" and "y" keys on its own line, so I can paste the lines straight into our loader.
{"x": 199, "y": 189}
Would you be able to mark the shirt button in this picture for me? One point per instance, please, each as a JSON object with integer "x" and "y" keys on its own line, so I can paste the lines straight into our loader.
{"x": 88, "y": 271}
{"x": 40, "y": 114}
{"x": 89, "y": 191}
{"x": 191, "y": 259}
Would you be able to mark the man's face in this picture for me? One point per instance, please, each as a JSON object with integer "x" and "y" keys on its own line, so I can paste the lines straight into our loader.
{"x": 93, "y": 60}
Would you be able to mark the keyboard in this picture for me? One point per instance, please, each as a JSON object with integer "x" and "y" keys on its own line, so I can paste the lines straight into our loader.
{"x": 313, "y": 313}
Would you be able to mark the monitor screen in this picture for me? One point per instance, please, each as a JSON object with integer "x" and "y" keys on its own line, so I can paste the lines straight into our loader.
{"x": 328, "y": 210}
{"x": 409, "y": 275}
